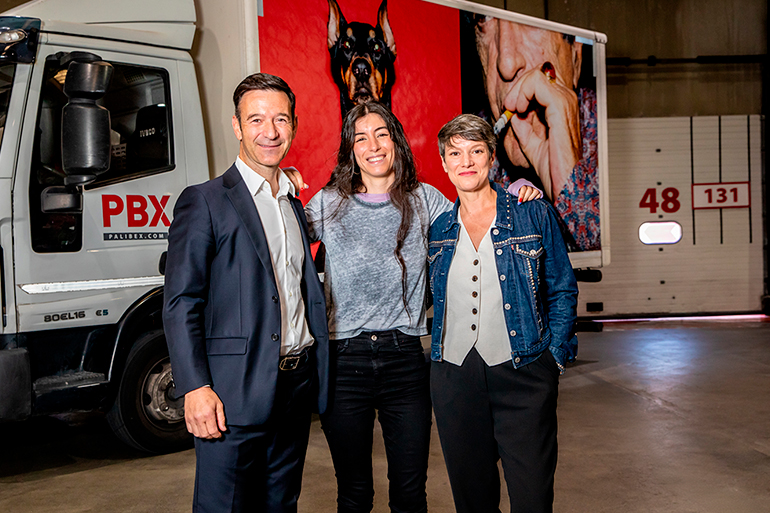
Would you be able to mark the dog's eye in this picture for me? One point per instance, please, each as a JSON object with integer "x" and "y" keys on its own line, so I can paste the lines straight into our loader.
{"x": 347, "y": 44}
{"x": 377, "y": 47}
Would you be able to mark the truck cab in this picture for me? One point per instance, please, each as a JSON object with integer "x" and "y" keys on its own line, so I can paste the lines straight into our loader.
{"x": 85, "y": 208}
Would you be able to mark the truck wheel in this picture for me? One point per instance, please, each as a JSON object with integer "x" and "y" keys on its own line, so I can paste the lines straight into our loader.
{"x": 146, "y": 413}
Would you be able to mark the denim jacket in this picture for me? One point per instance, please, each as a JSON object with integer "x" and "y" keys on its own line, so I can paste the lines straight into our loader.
{"x": 536, "y": 279}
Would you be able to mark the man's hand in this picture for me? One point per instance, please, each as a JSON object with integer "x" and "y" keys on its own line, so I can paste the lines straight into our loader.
{"x": 295, "y": 177}
{"x": 546, "y": 124}
{"x": 204, "y": 413}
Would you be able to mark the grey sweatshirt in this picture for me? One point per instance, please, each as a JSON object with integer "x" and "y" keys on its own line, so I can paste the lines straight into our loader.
{"x": 362, "y": 278}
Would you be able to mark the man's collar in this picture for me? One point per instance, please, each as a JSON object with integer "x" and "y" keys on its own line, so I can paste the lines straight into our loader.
{"x": 255, "y": 181}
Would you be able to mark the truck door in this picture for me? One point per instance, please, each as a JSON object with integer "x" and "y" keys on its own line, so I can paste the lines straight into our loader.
{"x": 13, "y": 85}
{"x": 86, "y": 269}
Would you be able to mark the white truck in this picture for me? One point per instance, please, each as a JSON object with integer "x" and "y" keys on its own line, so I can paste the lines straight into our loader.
{"x": 86, "y": 196}
{"x": 101, "y": 128}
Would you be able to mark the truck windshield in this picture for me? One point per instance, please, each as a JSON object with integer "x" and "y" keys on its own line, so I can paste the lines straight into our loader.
{"x": 6, "y": 81}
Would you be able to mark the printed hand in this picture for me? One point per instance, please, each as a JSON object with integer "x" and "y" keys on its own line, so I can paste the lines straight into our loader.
{"x": 546, "y": 124}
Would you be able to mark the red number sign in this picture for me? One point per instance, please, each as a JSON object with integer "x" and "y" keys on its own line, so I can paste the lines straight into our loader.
{"x": 721, "y": 195}
{"x": 669, "y": 200}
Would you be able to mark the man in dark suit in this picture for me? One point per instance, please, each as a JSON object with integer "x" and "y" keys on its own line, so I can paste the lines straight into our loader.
{"x": 245, "y": 316}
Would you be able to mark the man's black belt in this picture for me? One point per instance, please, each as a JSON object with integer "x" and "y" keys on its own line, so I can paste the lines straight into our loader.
{"x": 292, "y": 361}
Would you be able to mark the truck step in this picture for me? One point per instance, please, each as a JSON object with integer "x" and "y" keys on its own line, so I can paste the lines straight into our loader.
{"x": 69, "y": 380}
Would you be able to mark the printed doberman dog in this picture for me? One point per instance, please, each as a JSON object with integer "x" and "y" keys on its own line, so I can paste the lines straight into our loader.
{"x": 362, "y": 58}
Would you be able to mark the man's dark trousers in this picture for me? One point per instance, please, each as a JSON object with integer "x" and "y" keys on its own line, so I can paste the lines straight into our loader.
{"x": 259, "y": 468}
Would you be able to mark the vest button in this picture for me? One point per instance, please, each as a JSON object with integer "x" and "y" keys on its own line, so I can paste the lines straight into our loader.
{"x": 274, "y": 336}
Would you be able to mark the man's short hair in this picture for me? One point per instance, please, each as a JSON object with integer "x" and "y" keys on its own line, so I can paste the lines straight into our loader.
{"x": 262, "y": 82}
{"x": 470, "y": 128}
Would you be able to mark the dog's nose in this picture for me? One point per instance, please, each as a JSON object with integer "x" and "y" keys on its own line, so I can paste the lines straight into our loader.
{"x": 361, "y": 70}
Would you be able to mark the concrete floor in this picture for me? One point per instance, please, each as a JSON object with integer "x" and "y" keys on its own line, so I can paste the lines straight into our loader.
{"x": 655, "y": 417}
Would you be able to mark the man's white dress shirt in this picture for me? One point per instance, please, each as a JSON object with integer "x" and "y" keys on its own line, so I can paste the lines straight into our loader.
{"x": 287, "y": 254}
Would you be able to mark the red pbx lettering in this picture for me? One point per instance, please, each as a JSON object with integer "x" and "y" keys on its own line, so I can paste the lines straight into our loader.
{"x": 160, "y": 214}
{"x": 112, "y": 205}
{"x": 136, "y": 210}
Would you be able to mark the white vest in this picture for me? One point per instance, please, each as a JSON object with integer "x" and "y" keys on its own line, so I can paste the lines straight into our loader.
{"x": 474, "y": 309}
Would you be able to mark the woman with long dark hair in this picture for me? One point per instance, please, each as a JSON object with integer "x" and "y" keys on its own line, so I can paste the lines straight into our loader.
{"x": 374, "y": 217}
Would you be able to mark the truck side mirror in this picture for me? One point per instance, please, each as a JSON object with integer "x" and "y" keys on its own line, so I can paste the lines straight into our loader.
{"x": 85, "y": 125}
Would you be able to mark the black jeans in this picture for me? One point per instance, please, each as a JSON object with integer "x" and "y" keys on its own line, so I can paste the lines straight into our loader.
{"x": 485, "y": 414}
{"x": 386, "y": 372}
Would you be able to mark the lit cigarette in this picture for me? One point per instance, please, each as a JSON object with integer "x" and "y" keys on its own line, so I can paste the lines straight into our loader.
{"x": 504, "y": 119}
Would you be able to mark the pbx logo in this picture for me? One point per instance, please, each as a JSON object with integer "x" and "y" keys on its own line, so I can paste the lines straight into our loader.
{"x": 136, "y": 211}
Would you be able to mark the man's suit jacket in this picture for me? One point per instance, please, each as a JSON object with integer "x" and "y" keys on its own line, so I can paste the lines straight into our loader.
{"x": 222, "y": 315}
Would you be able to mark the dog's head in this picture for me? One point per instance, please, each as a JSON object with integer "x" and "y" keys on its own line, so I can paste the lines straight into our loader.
{"x": 362, "y": 57}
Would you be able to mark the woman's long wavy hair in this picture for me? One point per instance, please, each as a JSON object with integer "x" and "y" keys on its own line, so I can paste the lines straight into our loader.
{"x": 346, "y": 177}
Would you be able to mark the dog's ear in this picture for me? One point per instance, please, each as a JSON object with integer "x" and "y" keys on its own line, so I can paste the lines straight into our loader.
{"x": 384, "y": 24}
{"x": 336, "y": 23}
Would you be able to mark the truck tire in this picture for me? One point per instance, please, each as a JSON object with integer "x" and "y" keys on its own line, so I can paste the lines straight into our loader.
{"x": 146, "y": 414}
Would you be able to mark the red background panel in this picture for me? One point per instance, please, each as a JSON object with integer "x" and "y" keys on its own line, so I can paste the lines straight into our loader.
{"x": 426, "y": 94}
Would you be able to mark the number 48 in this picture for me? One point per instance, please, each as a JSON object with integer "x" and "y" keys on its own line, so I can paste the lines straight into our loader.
{"x": 669, "y": 197}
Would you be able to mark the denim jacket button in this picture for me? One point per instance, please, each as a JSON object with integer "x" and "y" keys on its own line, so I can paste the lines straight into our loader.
{"x": 499, "y": 251}
{"x": 516, "y": 360}
{"x": 502, "y": 277}
{"x": 513, "y": 333}
{"x": 374, "y": 337}
{"x": 495, "y": 232}
{"x": 507, "y": 306}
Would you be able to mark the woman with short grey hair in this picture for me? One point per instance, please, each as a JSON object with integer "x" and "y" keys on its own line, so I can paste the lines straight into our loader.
{"x": 505, "y": 299}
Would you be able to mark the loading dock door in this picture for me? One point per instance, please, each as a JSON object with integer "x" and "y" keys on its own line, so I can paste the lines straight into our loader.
{"x": 704, "y": 175}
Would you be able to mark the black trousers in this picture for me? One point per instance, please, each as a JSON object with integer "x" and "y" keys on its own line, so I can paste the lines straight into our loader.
{"x": 484, "y": 414}
{"x": 382, "y": 374}
{"x": 259, "y": 468}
